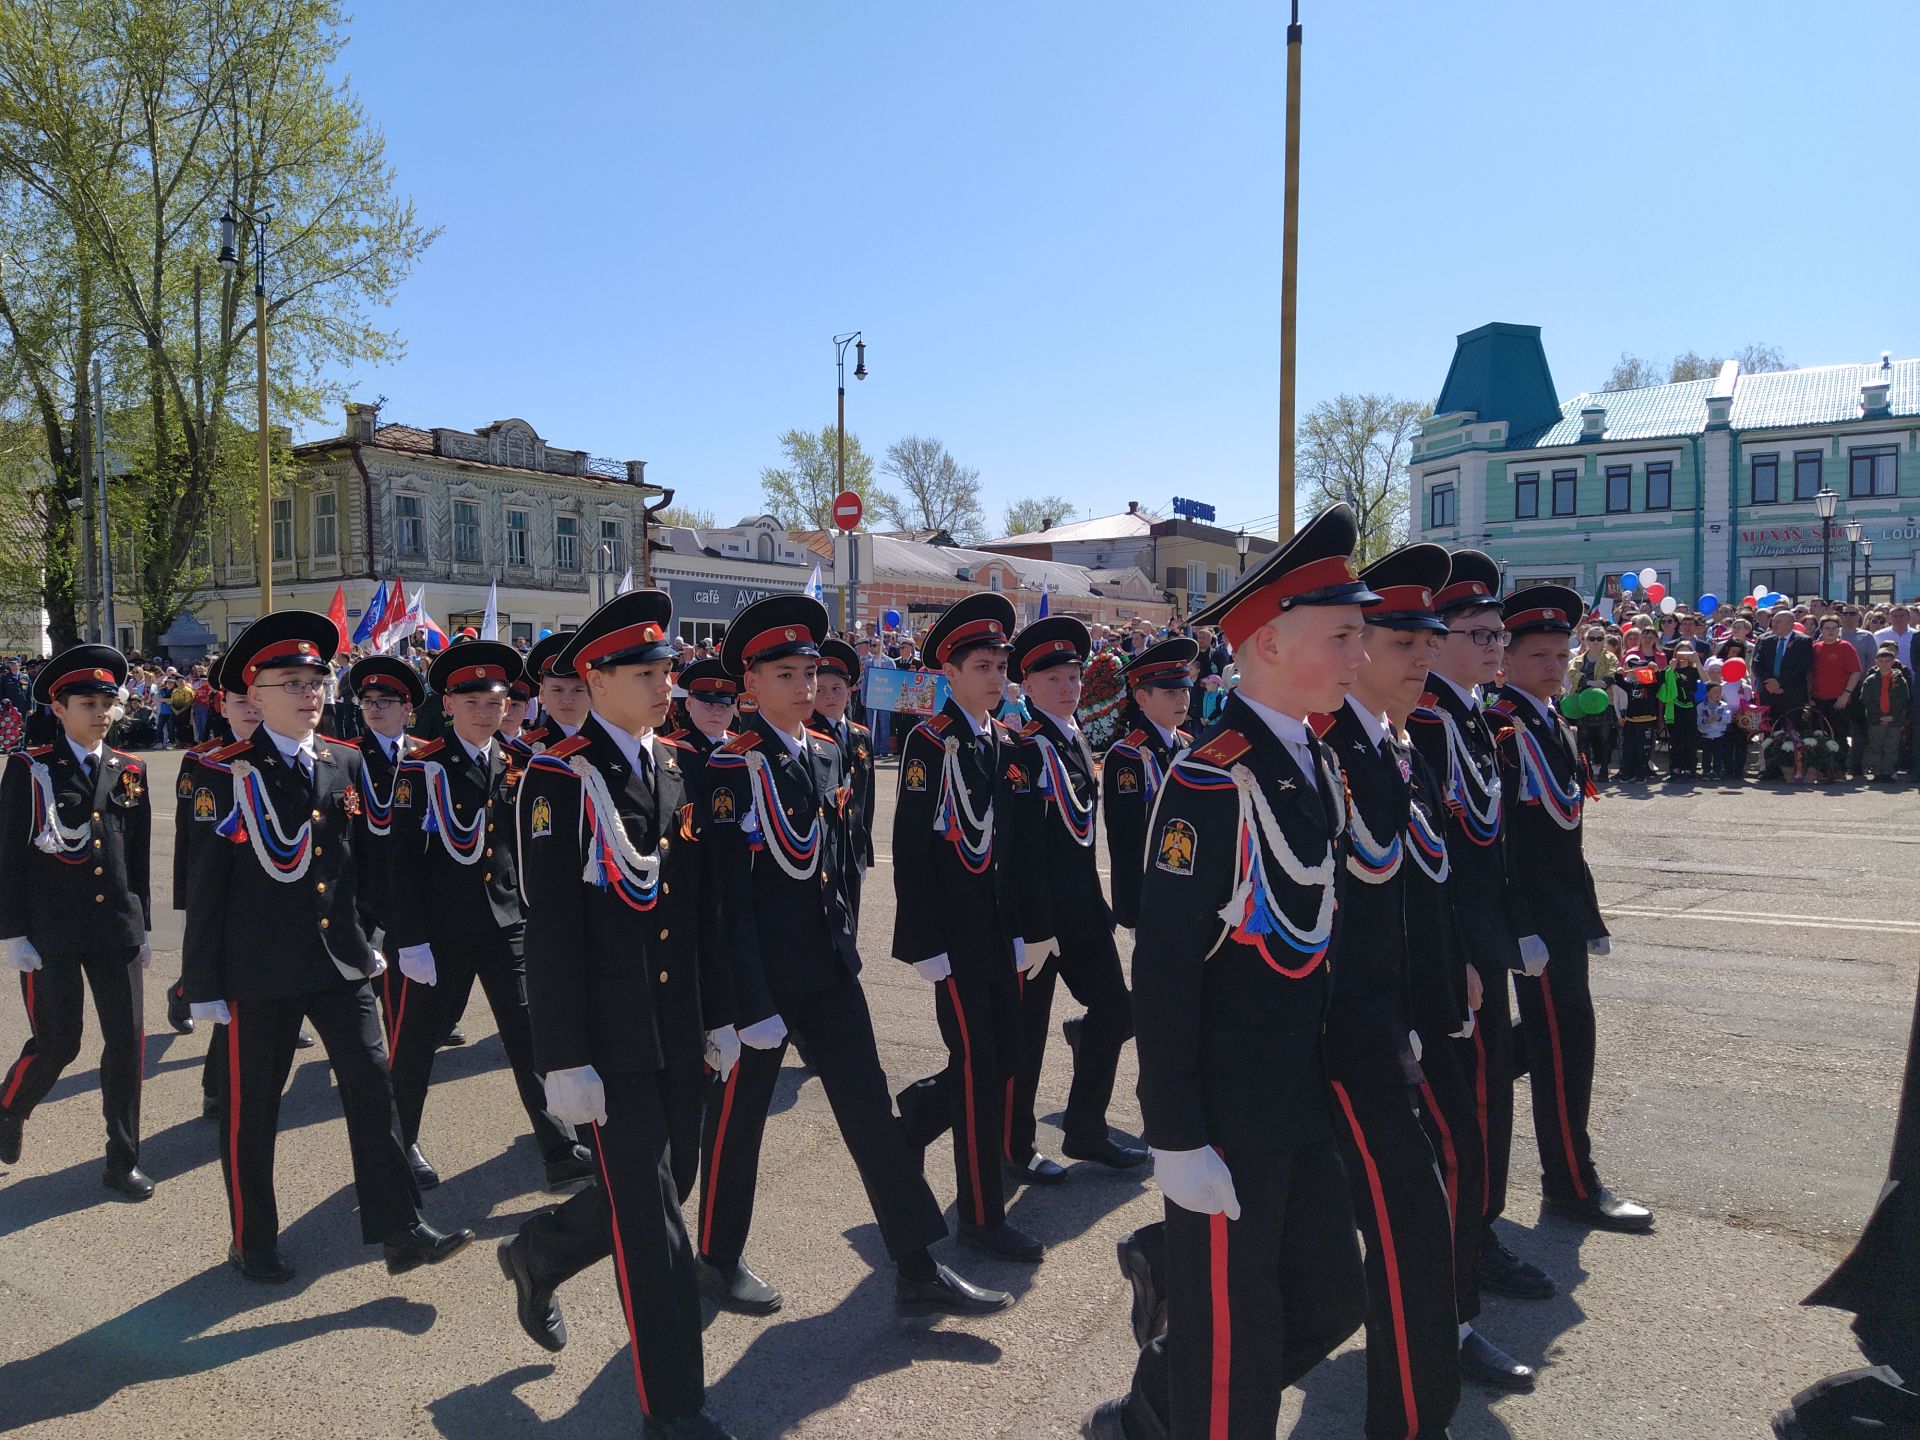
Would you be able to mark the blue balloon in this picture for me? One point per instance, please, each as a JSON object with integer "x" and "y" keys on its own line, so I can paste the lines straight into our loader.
{"x": 1700, "y": 693}
{"x": 892, "y": 618}
{"x": 1628, "y": 582}
{"x": 1708, "y": 604}
{"x": 546, "y": 634}
{"x": 1776, "y": 599}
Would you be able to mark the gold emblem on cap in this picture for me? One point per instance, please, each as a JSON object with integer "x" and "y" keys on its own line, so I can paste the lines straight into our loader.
{"x": 1426, "y": 599}
{"x": 791, "y": 635}
{"x": 481, "y": 671}
{"x": 1347, "y": 562}
{"x": 1551, "y": 614}
{"x": 305, "y": 648}
{"x": 993, "y": 627}
{"x": 101, "y": 675}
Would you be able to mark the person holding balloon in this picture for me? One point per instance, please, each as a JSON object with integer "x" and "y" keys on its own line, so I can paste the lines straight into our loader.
{"x": 1638, "y": 680}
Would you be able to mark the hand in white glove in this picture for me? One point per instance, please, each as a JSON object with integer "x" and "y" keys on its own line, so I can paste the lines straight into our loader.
{"x": 723, "y": 1050}
{"x": 416, "y": 963}
{"x": 1413, "y": 1039}
{"x": 576, "y": 1096}
{"x": 145, "y": 953}
{"x": 379, "y": 966}
{"x": 21, "y": 955}
{"x": 1031, "y": 959}
{"x": 1196, "y": 1180}
{"x": 1465, "y": 1032}
{"x": 214, "y": 1010}
{"x": 935, "y": 970}
{"x": 1533, "y": 955}
{"x": 1476, "y": 990}
{"x": 764, "y": 1034}
{"x": 1600, "y": 945}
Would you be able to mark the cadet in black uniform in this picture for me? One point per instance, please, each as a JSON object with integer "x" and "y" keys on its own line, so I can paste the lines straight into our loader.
{"x": 387, "y": 691}
{"x": 782, "y": 830}
{"x": 710, "y": 704}
{"x": 839, "y": 682}
{"x": 456, "y": 911}
{"x": 1231, "y": 963}
{"x": 565, "y": 701}
{"x": 1160, "y": 693}
{"x": 273, "y": 935}
{"x": 629, "y": 990}
{"x": 75, "y": 833}
{"x": 955, "y": 860}
{"x": 185, "y": 826}
{"x": 1064, "y": 902}
{"x": 1558, "y": 918}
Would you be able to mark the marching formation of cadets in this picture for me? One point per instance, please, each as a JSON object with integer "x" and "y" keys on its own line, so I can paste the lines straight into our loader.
{"x": 1328, "y": 889}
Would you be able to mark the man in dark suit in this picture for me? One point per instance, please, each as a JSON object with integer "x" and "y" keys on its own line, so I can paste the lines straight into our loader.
{"x": 1782, "y": 665}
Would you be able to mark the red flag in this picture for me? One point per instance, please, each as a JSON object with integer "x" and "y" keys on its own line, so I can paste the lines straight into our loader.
{"x": 337, "y": 612}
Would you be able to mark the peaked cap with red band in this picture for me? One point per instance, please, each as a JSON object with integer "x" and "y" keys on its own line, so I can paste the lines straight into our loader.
{"x": 1165, "y": 665}
{"x": 1055, "y": 640}
{"x": 1315, "y": 567}
{"x": 1473, "y": 583}
{"x": 839, "y": 657}
{"x": 630, "y": 629}
{"x": 1406, "y": 579}
{"x": 709, "y": 680}
{"x": 772, "y": 629}
{"x": 286, "y": 639}
{"x": 543, "y": 660}
{"x": 474, "y": 665}
{"x": 385, "y": 675}
{"x": 1553, "y": 608}
{"x": 983, "y": 619}
{"x": 80, "y": 670}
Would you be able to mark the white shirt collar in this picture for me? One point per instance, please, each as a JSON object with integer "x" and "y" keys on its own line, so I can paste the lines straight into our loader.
{"x": 97, "y": 753}
{"x": 978, "y": 729}
{"x": 389, "y": 744}
{"x": 1545, "y": 707}
{"x": 1068, "y": 725}
{"x": 1167, "y": 737}
{"x": 631, "y": 745}
{"x": 482, "y": 757}
{"x": 1469, "y": 694}
{"x": 1291, "y": 733}
{"x": 289, "y": 747}
{"x": 796, "y": 745}
{"x": 1376, "y": 726}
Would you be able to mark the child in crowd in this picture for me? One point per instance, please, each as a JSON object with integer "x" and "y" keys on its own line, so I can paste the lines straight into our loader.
{"x": 1714, "y": 717}
{"x": 1677, "y": 692}
{"x": 1640, "y": 683}
{"x": 1882, "y": 698}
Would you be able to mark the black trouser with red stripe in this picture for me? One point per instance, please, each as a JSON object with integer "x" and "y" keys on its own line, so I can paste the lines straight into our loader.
{"x": 835, "y": 1029}
{"x": 1092, "y": 971}
{"x": 55, "y": 1008}
{"x": 646, "y": 1150}
{"x": 421, "y": 1015}
{"x": 979, "y": 1016}
{"x": 1254, "y": 1303}
{"x": 1557, "y": 1010}
{"x": 1486, "y": 1059}
{"x": 1450, "y": 1116}
{"x": 1413, "y": 1338}
{"x": 260, "y": 1044}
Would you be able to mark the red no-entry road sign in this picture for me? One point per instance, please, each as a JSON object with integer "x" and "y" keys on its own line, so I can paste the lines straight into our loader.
{"x": 847, "y": 510}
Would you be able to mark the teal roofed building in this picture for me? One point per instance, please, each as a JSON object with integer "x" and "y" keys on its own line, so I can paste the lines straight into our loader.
{"x": 1710, "y": 482}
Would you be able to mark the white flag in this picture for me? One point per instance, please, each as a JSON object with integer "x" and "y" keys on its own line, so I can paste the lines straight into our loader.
{"x": 490, "y": 625}
{"x": 626, "y": 582}
{"x": 814, "y": 588}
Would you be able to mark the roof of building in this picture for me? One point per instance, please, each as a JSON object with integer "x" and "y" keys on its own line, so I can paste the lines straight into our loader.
{"x": 1499, "y": 372}
{"x": 1643, "y": 414}
{"x": 1100, "y": 527}
{"x": 896, "y": 559}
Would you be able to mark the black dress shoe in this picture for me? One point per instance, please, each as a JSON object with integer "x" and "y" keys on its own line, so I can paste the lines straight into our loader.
{"x": 1149, "y": 1313}
{"x": 131, "y": 1182}
{"x": 421, "y": 1244}
{"x": 1005, "y": 1241}
{"x": 570, "y": 1167}
{"x": 1107, "y": 1151}
{"x": 947, "y": 1292}
{"x": 1038, "y": 1170}
{"x": 684, "y": 1427}
{"x": 453, "y": 1039}
{"x": 1108, "y": 1422}
{"x": 304, "y": 1040}
{"x": 268, "y": 1268}
{"x": 424, "y": 1175}
{"x": 539, "y": 1312}
{"x": 179, "y": 1013}
{"x": 11, "y": 1131}
{"x": 1604, "y": 1210}
{"x": 1486, "y": 1362}
{"x": 1501, "y": 1271}
{"x": 735, "y": 1287}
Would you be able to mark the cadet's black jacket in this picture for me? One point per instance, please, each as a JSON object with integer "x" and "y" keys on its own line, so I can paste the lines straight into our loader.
{"x": 790, "y": 936}
{"x": 1135, "y": 763}
{"x": 195, "y": 812}
{"x": 437, "y": 899}
{"x": 1478, "y": 827}
{"x": 1553, "y": 891}
{"x": 101, "y": 901}
{"x": 1436, "y": 960}
{"x": 953, "y": 901}
{"x": 856, "y": 760}
{"x": 1228, "y": 1020}
{"x": 251, "y": 935}
{"x": 623, "y": 981}
{"x": 376, "y": 874}
{"x": 1064, "y": 901}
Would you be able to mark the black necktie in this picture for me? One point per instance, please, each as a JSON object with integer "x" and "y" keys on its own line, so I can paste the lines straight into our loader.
{"x": 92, "y": 766}
{"x": 644, "y": 767}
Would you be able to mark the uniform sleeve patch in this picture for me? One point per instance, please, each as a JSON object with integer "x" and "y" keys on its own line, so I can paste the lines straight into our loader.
{"x": 186, "y": 784}
{"x": 723, "y": 805}
{"x": 403, "y": 791}
{"x": 916, "y": 774}
{"x": 539, "y": 820}
{"x": 1175, "y": 851}
{"x": 1126, "y": 780}
{"x": 203, "y": 807}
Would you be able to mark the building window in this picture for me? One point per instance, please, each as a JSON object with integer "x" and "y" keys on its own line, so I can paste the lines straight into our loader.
{"x": 1766, "y": 479}
{"x": 523, "y": 632}
{"x": 410, "y": 526}
{"x": 466, "y": 532}
{"x": 1565, "y": 492}
{"x": 326, "y": 523}
{"x": 1526, "y": 496}
{"x": 1440, "y": 508}
{"x": 1660, "y": 486}
{"x": 566, "y": 542}
{"x": 283, "y": 529}
{"x": 518, "y": 525}
{"x": 1619, "y": 488}
{"x": 1793, "y": 581}
{"x": 1196, "y": 578}
{"x": 1222, "y": 580}
{"x": 1871, "y": 472}
{"x": 613, "y": 535}
{"x": 1806, "y": 474}
{"x": 993, "y": 581}
{"x": 763, "y": 546}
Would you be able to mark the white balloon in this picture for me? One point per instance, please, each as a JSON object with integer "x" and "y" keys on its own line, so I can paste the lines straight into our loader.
{"x": 1649, "y": 575}
{"x": 1668, "y": 605}
{"x": 1758, "y": 591}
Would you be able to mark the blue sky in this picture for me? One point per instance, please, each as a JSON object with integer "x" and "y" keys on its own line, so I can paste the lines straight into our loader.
{"x": 1058, "y": 223}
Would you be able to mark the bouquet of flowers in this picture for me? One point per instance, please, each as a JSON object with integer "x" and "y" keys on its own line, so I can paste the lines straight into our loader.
{"x": 1803, "y": 748}
{"x": 1103, "y": 700}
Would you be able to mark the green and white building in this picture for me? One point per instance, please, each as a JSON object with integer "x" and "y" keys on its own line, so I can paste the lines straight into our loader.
{"x": 1711, "y": 482}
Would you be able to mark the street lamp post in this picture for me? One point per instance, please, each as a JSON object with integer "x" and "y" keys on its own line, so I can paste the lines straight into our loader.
{"x": 1853, "y": 559}
{"x": 1823, "y": 504}
{"x": 230, "y": 223}
{"x": 1241, "y": 543}
{"x": 1866, "y": 572}
{"x": 840, "y": 343}
{"x": 1289, "y": 273}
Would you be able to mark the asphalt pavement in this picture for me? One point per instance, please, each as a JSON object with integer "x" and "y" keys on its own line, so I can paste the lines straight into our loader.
{"x": 1753, "y": 1019}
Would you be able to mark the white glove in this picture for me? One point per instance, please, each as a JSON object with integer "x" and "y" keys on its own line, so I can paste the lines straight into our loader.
{"x": 214, "y": 1010}
{"x": 1031, "y": 959}
{"x": 416, "y": 963}
{"x": 379, "y": 966}
{"x": 935, "y": 970}
{"x": 723, "y": 1050}
{"x": 764, "y": 1034}
{"x": 1413, "y": 1039}
{"x": 576, "y": 1096}
{"x": 145, "y": 954}
{"x": 1465, "y": 1032}
{"x": 21, "y": 955}
{"x": 1533, "y": 955}
{"x": 1196, "y": 1180}
{"x": 1600, "y": 945}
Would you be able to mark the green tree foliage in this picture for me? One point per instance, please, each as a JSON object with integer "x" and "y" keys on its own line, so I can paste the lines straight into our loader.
{"x": 1023, "y": 517}
{"x": 936, "y": 491}
{"x": 1631, "y": 372}
{"x": 690, "y": 516}
{"x": 1355, "y": 448}
{"x": 799, "y": 493}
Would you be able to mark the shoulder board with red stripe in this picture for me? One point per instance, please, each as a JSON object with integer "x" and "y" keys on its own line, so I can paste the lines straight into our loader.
{"x": 428, "y": 750}
{"x": 1032, "y": 727}
{"x": 205, "y": 747}
{"x": 572, "y": 745}
{"x": 1319, "y": 723}
{"x": 671, "y": 743}
{"x": 1183, "y": 736}
{"x": 858, "y": 728}
{"x": 1225, "y": 748}
{"x": 1427, "y": 715}
{"x": 739, "y": 745}
{"x": 231, "y": 752}
{"x": 1503, "y": 706}
{"x": 37, "y": 752}
{"x": 823, "y": 735}
{"x": 534, "y": 736}
{"x": 677, "y": 736}
{"x": 1133, "y": 738}
{"x": 128, "y": 756}
{"x": 937, "y": 723}
{"x": 340, "y": 740}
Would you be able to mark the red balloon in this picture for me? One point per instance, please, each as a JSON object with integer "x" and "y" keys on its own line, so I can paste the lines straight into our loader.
{"x": 1656, "y": 592}
{"x": 1733, "y": 669}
